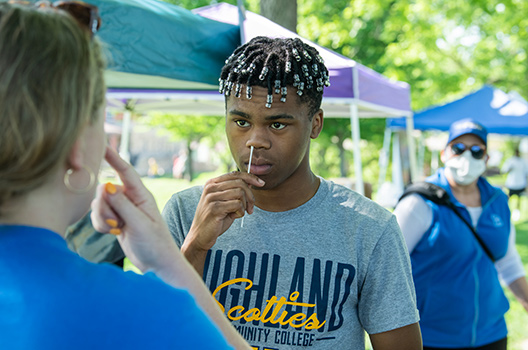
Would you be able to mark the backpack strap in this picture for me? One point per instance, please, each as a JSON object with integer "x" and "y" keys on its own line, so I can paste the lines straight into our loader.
{"x": 438, "y": 195}
{"x": 429, "y": 191}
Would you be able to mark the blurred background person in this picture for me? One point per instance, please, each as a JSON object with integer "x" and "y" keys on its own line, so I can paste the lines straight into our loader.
{"x": 153, "y": 168}
{"x": 517, "y": 170}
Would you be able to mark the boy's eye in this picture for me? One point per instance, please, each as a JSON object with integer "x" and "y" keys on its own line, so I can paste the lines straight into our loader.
{"x": 278, "y": 126}
{"x": 242, "y": 123}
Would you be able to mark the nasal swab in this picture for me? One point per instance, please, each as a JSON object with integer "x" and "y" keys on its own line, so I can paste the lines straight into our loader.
{"x": 249, "y": 168}
{"x": 250, "y": 157}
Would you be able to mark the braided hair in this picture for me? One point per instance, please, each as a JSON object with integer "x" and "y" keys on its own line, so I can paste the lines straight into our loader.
{"x": 276, "y": 64}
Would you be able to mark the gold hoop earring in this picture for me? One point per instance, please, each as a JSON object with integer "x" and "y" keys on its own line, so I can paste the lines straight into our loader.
{"x": 69, "y": 186}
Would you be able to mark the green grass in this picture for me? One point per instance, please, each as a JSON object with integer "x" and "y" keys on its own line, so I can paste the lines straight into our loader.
{"x": 516, "y": 318}
{"x": 163, "y": 187}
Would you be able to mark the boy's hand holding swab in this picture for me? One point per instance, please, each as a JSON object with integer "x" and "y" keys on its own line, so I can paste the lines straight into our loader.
{"x": 223, "y": 200}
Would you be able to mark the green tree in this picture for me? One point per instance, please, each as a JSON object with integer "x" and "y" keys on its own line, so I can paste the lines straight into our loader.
{"x": 283, "y": 12}
{"x": 442, "y": 48}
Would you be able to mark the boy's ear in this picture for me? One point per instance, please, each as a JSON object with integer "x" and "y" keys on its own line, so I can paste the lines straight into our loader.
{"x": 317, "y": 124}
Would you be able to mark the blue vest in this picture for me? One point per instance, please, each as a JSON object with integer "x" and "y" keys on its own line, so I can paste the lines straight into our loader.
{"x": 459, "y": 296}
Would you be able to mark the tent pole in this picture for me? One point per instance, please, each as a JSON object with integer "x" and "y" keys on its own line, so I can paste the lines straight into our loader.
{"x": 354, "y": 121}
{"x": 384, "y": 156}
{"x": 412, "y": 148}
{"x": 421, "y": 155}
{"x": 397, "y": 178}
{"x": 125, "y": 136}
{"x": 241, "y": 19}
{"x": 434, "y": 161}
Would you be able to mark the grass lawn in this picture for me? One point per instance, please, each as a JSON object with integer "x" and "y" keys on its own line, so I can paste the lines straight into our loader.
{"x": 517, "y": 317}
{"x": 163, "y": 187}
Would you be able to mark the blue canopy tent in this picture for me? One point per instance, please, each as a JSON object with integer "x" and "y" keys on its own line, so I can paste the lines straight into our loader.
{"x": 499, "y": 112}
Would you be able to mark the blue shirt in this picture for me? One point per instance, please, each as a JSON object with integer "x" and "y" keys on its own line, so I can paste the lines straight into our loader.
{"x": 50, "y": 298}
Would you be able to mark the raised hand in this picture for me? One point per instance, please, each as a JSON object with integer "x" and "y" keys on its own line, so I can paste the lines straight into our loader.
{"x": 130, "y": 211}
{"x": 223, "y": 200}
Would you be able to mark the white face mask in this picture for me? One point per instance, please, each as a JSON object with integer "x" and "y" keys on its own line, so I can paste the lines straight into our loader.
{"x": 465, "y": 169}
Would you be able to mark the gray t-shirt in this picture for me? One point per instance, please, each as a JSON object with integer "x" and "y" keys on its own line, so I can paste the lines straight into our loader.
{"x": 314, "y": 277}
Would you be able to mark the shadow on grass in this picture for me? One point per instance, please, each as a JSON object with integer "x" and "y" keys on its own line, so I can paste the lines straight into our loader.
{"x": 521, "y": 228}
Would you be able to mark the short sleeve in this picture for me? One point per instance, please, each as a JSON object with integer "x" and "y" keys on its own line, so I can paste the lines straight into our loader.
{"x": 387, "y": 296}
{"x": 94, "y": 246}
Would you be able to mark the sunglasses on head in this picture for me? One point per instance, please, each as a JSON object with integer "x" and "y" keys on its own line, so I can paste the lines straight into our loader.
{"x": 85, "y": 14}
{"x": 476, "y": 151}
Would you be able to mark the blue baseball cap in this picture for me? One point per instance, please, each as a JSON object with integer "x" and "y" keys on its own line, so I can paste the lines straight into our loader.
{"x": 467, "y": 126}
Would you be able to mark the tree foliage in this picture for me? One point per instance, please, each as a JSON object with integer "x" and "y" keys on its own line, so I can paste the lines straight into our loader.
{"x": 281, "y": 12}
{"x": 443, "y": 49}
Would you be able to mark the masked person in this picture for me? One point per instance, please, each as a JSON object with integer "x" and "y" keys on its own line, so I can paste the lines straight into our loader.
{"x": 460, "y": 298}
{"x": 517, "y": 170}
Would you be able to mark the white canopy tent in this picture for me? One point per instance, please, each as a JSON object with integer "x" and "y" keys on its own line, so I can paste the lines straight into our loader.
{"x": 355, "y": 92}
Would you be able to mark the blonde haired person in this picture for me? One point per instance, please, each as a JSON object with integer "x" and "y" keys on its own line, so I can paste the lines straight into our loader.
{"x": 53, "y": 142}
